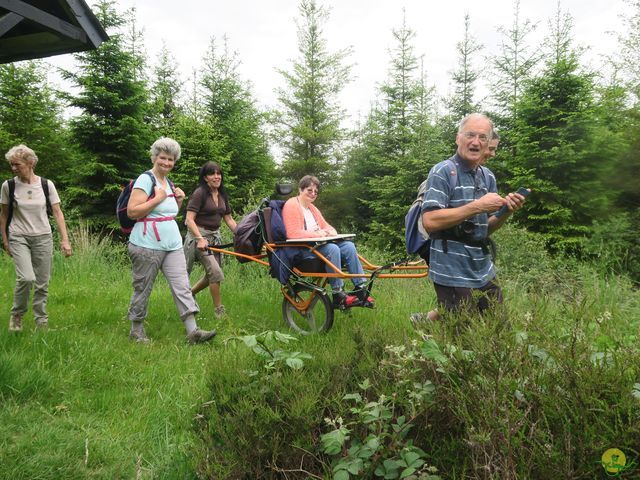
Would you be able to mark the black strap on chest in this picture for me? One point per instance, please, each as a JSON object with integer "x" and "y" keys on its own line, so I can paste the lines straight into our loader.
{"x": 487, "y": 245}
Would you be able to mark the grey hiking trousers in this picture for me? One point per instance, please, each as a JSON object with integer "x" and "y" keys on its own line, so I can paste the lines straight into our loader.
{"x": 145, "y": 264}
{"x": 32, "y": 260}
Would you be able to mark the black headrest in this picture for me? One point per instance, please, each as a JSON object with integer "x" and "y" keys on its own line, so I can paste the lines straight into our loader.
{"x": 284, "y": 188}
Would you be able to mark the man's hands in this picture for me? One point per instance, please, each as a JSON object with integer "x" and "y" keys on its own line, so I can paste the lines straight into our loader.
{"x": 489, "y": 203}
{"x": 492, "y": 202}
{"x": 514, "y": 201}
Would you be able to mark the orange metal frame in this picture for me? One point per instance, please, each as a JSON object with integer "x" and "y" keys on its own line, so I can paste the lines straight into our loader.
{"x": 416, "y": 269}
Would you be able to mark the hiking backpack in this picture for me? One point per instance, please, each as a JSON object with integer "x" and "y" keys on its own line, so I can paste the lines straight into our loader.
{"x": 246, "y": 238}
{"x": 416, "y": 237}
{"x": 12, "y": 198}
{"x": 250, "y": 235}
{"x": 126, "y": 223}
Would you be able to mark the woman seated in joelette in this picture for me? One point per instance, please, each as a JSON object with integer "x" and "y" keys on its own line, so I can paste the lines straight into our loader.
{"x": 302, "y": 219}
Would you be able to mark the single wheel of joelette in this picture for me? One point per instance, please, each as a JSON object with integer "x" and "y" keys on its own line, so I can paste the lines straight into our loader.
{"x": 312, "y": 312}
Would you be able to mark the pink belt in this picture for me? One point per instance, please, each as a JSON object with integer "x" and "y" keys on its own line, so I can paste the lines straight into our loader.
{"x": 154, "y": 220}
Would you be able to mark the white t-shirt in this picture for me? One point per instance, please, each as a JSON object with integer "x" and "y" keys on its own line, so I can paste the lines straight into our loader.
{"x": 30, "y": 207}
{"x": 309, "y": 220}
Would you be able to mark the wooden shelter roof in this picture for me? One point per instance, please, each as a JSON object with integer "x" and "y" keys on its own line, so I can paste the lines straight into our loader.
{"x": 41, "y": 28}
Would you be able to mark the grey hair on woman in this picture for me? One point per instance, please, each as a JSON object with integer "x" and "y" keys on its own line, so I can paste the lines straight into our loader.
{"x": 166, "y": 145}
{"x": 22, "y": 153}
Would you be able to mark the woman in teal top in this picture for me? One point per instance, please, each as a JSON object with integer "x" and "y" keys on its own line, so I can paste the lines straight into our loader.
{"x": 155, "y": 244}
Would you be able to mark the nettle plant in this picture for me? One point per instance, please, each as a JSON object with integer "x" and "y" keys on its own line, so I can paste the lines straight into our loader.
{"x": 371, "y": 440}
{"x": 265, "y": 346}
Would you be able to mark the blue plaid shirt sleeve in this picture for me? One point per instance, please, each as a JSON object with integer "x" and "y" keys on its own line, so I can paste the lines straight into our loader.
{"x": 438, "y": 189}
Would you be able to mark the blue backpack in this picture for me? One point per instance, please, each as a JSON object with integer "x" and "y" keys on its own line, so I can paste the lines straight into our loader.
{"x": 126, "y": 223}
{"x": 416, "y": 237}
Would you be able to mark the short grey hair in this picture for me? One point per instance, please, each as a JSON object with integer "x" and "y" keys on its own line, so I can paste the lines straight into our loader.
{"x": 22, "y": 153}
{"x": 167, "y": 145}
{"x": 474, "y": 116}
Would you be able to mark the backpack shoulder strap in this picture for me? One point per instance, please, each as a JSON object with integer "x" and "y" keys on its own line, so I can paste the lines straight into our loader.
{"x": 45, "y": 189}
{"x": 153, "y": 183}
{"x": 453, "y": 179}
{"x": 484, "y": 176}
{"x": 12, "y": 197}
{"x": 12, "y": 191}
{"x": 152, "y": 177}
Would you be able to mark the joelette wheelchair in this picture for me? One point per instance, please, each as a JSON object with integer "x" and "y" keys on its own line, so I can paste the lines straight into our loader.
{"x": 307, "y": 306}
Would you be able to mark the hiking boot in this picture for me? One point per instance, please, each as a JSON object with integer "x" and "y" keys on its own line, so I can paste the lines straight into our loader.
{"x": 220, "y": 311}
{"x": 42, "y": 324}
{"x": 419, "y": 319}
{"x": 15, "y": 323}
{"x": 139, "y": 336}
{"x": 200, "y": 336}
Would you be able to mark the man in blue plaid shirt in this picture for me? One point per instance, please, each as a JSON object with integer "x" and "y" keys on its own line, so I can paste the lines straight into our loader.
{"x": 460, "y": 219}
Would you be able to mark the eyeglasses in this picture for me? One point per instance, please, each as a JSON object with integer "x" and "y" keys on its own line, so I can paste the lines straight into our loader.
{"x": 483, "y": 138}
{"x": 311, "y": 191}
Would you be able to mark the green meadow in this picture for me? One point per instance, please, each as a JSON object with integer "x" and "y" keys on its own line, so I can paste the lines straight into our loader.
{"x": 542, "y": 389}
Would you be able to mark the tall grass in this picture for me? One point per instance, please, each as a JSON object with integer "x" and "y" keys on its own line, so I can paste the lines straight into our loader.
{"x": 81, "y": 400}
{"x": 537, "y": 392}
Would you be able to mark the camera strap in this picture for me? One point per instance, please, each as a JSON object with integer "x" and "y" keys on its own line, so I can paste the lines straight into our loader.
{"x": 487, "y": 245}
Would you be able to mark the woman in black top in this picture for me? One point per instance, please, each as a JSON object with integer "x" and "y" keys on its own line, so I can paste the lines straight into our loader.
{"x": 208, "y": 206}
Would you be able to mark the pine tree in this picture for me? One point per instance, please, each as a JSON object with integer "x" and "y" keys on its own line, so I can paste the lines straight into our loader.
{"x": 31, "y": 114}
{"x": 396, "y": 149}
{"x": 308, "y": 123}
{"x": 616, "y": 235}
{"x": 461, "y": 103}
{"x": 230, "y": 109}
{"x": 513, "y": 66}
{"x": 110, "y": 131}
{"x": 629, "y": 53}
{"x": 558, "y": 154}
{"x": 166, "y": 87}
{"x": 200, "y": 142}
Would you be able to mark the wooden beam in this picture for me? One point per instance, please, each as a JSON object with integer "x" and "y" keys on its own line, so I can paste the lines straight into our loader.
{"x": 45, "y": 19}
{"x": 87, "y": 21}
{"x": 8, "y": 21}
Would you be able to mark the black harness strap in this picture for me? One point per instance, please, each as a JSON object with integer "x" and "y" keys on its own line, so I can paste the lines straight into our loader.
{"x": 12, "y": 198}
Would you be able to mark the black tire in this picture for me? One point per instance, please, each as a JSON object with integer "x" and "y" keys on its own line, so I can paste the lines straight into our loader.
{"x": 318, "y": 318}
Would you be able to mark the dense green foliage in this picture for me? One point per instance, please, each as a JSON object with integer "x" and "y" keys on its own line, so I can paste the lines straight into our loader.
{"x": 230, "y": 110}
{"x": 110, "y": 133}
{"x": 539, "y": 391}
{"x": 308, "y": 120}
{"x": 569, "y": 132}
{"x": 398, "y": 140}
{"x": 31, "y": 114}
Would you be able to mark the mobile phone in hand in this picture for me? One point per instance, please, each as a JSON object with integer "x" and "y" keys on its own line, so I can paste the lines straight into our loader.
{"x": 522, "y": 191}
